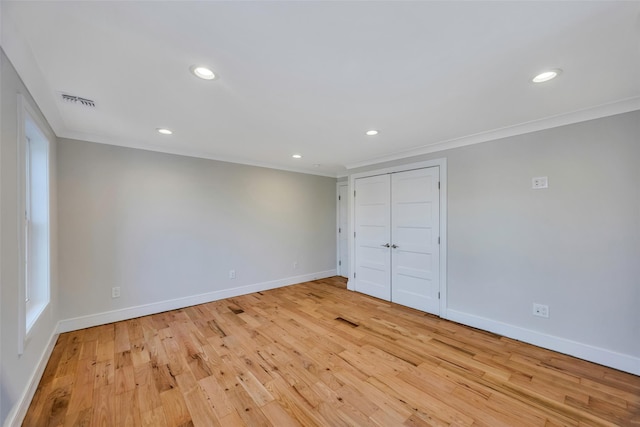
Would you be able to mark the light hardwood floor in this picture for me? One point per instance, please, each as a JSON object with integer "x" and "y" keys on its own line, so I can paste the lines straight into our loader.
{"x": 316, "y": 354}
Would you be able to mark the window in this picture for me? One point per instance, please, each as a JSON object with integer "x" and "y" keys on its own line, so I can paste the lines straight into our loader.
{"x": 34, "y": 212}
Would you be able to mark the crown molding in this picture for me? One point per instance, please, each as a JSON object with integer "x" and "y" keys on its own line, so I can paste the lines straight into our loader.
{"x": 80, "y": 136}
{"x": 603, "y": 110}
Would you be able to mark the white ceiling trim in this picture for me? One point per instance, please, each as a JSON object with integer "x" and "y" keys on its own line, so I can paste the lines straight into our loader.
{"x": 600, "y": 111}
{"x": 605, "y": 110}
{"x": 187, "y": 153}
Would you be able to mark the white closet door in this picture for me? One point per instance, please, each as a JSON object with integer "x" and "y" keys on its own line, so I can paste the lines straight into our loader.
{"x": 415, "y": 224}
{"x": 372, "y": 227}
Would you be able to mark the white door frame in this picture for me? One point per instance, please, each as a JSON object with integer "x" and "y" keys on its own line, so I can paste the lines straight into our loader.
{"x": 340, "y": 268}
{"x": 442, "y": 163}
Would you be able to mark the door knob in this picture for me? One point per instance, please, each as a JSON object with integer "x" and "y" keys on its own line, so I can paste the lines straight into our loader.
{"x": 395, "y": 246}
{"x": 386, "y": 246}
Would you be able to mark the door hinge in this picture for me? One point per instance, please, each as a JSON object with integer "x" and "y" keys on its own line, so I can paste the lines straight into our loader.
{"x": 339, "y": 197}
{"x": 340, "y": 231}
{"x": 354, "y": 234}
{"x": 438, "y": 295}
{"x": 354, "y": 193}
{"x": 339, "y": 262}
{"x": 438, "y": 185}
{"x": 354, "y": 275}
{"x": 438, "y": 239}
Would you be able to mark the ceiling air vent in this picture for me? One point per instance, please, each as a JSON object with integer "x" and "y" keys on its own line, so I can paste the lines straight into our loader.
{"x": 72, "y": 99}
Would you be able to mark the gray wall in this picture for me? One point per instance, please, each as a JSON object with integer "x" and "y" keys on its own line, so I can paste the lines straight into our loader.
{"x": 164, "y": 227}
{"x": 574, "y": 246}
{"x": 17, "y": 371}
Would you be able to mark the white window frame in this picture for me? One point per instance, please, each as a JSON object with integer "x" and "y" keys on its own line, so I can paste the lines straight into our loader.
{"x": 29, "y": 312}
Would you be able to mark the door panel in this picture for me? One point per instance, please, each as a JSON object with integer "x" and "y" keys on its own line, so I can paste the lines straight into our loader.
{"x": 415, "y": 230}
{"x": 414, "y": 215}
{"x": 372, "y": 227}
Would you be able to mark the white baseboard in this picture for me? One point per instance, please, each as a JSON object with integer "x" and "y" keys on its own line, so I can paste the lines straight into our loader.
{"x": 623, "y": 362}
{"x": 158, "y": 307}
{"x": 19, "y": 410}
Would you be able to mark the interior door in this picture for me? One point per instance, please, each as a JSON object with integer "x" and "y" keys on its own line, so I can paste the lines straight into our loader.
{"x": 343, "y": 238}
{"x": 415, "y": 252}
{"x": 372, "y": 238}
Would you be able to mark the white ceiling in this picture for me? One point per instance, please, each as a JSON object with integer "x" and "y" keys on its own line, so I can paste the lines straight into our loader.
{"x": 311, "y": 77}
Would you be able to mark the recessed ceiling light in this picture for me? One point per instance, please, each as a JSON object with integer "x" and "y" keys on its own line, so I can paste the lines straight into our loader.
{"x": 547, "y": 75}
{"x": 297, "y": 156}
{"x": 202, "y": 72}
{"x": 371, "y": 132}
{"x": 164, "y": 131}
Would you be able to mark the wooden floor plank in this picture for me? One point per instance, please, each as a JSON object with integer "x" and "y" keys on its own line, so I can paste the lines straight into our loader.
{"x": 315, "y": 354}
{"x": 175, "y": 408}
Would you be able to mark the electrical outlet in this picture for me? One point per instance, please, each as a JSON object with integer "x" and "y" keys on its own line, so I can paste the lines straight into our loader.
{"x": 539, "y": 182}
{"x": 115, "y": 292}
{"x": 232, "y": 274}
{"x": 540, "y": 310}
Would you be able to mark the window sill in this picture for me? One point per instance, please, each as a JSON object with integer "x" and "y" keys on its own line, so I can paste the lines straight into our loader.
{"x": 33, "y": 314}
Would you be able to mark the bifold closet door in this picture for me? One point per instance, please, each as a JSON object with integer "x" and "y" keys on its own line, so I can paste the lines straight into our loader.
{"x": 415, "y": 230}
{"x": 372, "y": 239}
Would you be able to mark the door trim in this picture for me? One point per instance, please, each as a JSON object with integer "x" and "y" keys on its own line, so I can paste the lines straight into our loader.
{"x": 340, "y": 268}
{"x": 442, "y": 163}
